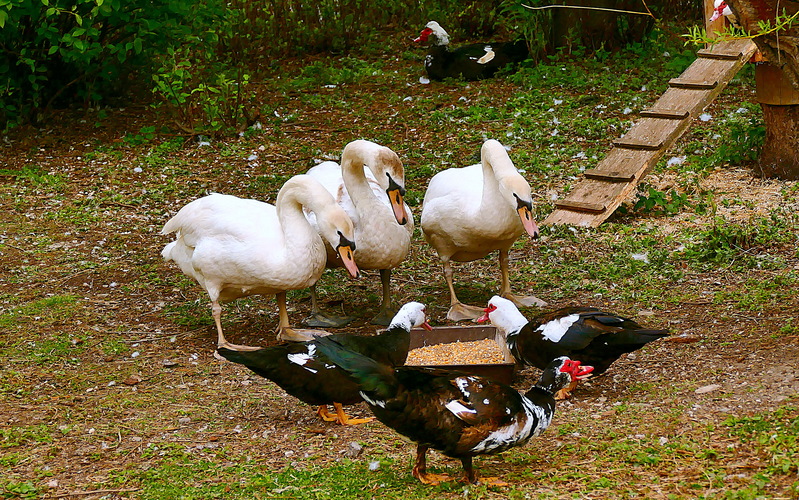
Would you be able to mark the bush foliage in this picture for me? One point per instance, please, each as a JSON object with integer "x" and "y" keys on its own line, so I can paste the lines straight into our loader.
{"x": 197, "y": 57}
{"x": 65, "y": 51}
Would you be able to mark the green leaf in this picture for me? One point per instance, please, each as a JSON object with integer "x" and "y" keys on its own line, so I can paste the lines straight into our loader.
{"x": 46, "y": 2}
{"x": 137, "y": 45}
{"x": 52, "y": 50}
{"x": 79, "y": 19}
{"x": 3, "y": 17}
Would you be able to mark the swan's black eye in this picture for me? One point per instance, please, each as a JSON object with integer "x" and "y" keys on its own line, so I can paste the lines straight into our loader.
{"x": 393, "y": 186}
{"x": 522, "y": 204}
{"x": 344, "y": 242}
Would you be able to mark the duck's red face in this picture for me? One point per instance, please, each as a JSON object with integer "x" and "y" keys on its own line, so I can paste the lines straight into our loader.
{"x": 573, "y": 368}
{"x": 423, "y": 36}
{"x": 488, "y": 310}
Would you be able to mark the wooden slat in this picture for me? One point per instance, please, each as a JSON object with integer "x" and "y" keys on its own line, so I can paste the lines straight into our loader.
{"x": 609, "y": 175}
{"x": 670, "y": 114}
{"x": 640, "y": 145}
{"x": 709, "y": 54}
{"x": 581, "y": 206}
{"x": 692, "y": 84}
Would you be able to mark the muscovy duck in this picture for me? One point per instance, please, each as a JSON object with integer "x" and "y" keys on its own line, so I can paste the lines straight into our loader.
{"x": 470, "y": 62}
{"x": 302, "y": 371}
{"x": 237, "y": 247}
{"x": 720, "y": 8}
{"x": 372, "y": 195}
{"x": 459, "y": 414}
{"x": 467, "y": 213}
{"x": 593, "y": 337}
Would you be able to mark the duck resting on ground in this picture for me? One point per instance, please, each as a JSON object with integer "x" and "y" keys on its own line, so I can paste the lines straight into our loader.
{"x": 467, "y": 213}
{"x": 589, "y": 335}
{"x": 470, "y": 62}
{"x": 304, "y": 372}
{"x": 372, "y": 195}
{"x": 458, "y": 414}
{"x": 238, "y": 247}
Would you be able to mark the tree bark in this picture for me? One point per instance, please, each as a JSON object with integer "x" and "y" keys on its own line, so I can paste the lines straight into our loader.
{"x": 780, "y": 155}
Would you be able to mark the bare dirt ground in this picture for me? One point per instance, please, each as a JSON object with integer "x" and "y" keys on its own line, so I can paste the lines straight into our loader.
{"x": 124, "y": 382}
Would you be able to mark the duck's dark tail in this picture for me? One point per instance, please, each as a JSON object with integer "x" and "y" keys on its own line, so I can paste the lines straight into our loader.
{"x": 517, "y": 51}
{"x": 375, "y": 379}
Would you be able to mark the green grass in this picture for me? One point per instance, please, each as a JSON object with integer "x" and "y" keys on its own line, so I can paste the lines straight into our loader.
{"x": 46, "y": 311}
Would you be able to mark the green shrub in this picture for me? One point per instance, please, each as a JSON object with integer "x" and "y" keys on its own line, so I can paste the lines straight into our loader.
{"x": 743, "y": 137}
{"x": 59, "y": 52}
{"x": 725, "y": 241}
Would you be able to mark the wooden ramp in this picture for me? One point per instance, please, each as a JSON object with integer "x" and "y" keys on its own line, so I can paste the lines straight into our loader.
{"x": 604, "y": 188}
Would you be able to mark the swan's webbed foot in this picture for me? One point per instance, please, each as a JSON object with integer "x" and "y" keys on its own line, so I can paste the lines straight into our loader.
{"x": 525, "y": 301}
{"x": 325, "y": 320}
{"x": 462, "y": 312}
{"x": 384, "y": 317}
{"x": 299, "y": 334}
{"x": 233, "y": 347}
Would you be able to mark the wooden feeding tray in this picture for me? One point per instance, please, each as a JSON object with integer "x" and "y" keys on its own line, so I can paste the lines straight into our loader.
{"x": 501, "y": 372}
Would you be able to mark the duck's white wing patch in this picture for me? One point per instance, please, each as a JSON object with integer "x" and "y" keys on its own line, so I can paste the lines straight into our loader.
{"x": 460, "y": 409}
{"x": 302, "y": 358}
{"x": 557, "y": 328}
{"x": 373, "y": 402}
{"x": 489, "y": 55}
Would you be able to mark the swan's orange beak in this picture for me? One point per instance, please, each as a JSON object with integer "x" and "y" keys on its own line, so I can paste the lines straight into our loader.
{"x": 347, "y": 257}
{"x": 398, "y": 205}
{"x": 527, "y": 221}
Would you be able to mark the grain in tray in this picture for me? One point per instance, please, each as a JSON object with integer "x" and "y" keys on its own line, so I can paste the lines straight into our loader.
{"x": 479, "y": 352}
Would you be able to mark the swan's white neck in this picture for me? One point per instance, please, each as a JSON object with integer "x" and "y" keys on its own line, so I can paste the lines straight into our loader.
{"x": 295, "y": 227}
{"x": 496, "y": 166}
{"x": 356, "y": 155}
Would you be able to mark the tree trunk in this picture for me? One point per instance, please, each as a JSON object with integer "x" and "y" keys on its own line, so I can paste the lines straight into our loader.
{"x": 780, "y": 155}
{"x": 777, "y": 85}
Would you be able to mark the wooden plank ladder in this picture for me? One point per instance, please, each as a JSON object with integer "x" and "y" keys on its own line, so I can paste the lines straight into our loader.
{"x": 602, "y": 189}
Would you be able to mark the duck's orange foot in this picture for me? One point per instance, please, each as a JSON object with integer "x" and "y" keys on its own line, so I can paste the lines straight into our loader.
{"x": 491, "y": 481}
{"x": 430, "y": 478}
{"x": 325, "y": 414}
{"x": 347, "y": 420}
{"x": 340, "y": 417}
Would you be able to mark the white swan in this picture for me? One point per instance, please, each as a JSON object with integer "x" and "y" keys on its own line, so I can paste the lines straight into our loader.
{"x": 237, "y": 247}
{"x": 369, "y": 185}
{"x": 469, "y": 212}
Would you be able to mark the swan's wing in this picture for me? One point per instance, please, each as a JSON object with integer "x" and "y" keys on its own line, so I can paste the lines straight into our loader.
{"x": 222, "y": 216}
{"x": 465, "y": 185}
{"x": 452, "y": 196}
